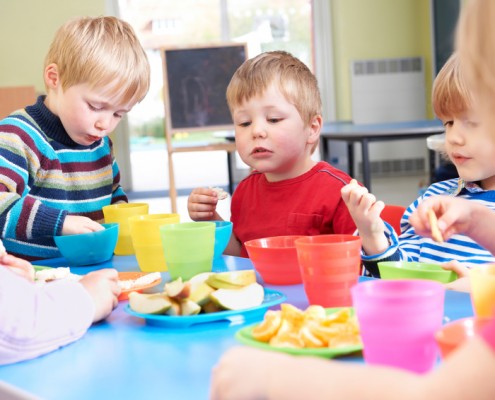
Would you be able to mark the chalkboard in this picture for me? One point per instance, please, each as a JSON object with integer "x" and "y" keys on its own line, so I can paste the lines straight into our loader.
{"x": 195, "y": 81}
{"x": 445, "y": 16}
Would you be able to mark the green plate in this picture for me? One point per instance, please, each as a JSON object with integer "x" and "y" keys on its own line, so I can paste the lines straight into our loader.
{"x": 245, "y": 336}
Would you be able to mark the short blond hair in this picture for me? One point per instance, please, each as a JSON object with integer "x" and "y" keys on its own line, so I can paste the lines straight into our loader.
{"x": 103, "y": 52}
{"x": 450, "y": 96}
{"x": 475, "y": 41}
{"x": 294, "y": 79}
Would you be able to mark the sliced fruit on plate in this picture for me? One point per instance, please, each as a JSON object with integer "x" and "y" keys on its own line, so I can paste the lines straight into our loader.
{"x": 155, "y": 303}
{"x": 238, "y": 299}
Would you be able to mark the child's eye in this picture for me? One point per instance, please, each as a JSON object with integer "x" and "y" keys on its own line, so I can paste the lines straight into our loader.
{"x": 448, "y": 123}
{"x": 274, "y": 120}
{"x": 244, "y": 124}
{"x": 93, "y": 108}
{"x": 117, "y": 115}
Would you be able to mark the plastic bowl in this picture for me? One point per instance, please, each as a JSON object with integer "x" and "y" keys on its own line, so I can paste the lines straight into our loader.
{"x": 453, "y": 334}
{"x": 223, "y": 231}
{"x": 415, "y": 270}
{"x": 275, "y": 259}
{"x": 89, "y": 248}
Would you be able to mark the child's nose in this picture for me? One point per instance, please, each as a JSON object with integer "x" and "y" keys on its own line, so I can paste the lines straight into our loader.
{"x": 258, "y": 129}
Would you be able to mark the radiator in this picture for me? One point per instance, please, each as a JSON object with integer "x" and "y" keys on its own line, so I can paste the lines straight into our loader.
{"x": 390, "y": 90}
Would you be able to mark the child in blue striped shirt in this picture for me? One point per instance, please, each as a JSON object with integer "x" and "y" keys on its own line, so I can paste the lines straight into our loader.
{"x": 471, "y": 151}
{"x": 57, "y": 167}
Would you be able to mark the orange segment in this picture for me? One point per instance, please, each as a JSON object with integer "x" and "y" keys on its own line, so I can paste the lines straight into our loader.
{"x": 268, "y": 327}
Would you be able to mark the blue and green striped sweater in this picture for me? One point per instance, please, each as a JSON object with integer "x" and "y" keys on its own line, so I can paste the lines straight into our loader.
{"x": 45, "y": 175}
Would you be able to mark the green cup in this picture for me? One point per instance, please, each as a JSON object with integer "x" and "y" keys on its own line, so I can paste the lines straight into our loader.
{"x": 188, "y": 248}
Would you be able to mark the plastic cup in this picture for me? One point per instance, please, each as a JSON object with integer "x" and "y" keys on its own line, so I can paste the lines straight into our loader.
{"x": 188, "y": 248}
{"x": 120, "y": 214}
{"x": 483, "y": 290}
{"x": 330, "y": 266}
{"x": 147, "y": 242}
{"x": 223, "y": 231}
{"x": 398, "y": 320}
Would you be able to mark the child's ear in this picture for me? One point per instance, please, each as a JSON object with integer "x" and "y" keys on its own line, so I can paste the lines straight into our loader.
{"x": 315, "y": 128}
{"x": 52, "y": 79}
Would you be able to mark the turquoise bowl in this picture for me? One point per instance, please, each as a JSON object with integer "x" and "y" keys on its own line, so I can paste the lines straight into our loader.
{"x": 89, "y": 248}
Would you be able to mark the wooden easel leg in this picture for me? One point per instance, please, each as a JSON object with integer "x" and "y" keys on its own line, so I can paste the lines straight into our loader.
{"x": 172, "y": 189}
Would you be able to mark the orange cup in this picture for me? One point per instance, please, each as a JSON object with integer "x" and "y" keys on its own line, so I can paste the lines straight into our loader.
{"x": 330, "y": 266}
{"x": 483, "y": 290}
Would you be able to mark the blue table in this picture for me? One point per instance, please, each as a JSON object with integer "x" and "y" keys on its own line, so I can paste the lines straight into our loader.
{"x": 123, "y": 358}
{"x": 367, "y": 133}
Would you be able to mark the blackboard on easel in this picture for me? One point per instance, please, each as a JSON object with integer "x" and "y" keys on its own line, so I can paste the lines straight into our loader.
{"x": 195, "y": 82}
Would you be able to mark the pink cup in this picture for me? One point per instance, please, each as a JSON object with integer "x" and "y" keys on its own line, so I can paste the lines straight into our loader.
{"x": 398, "y": 320}
{"x": 330, "y": 266}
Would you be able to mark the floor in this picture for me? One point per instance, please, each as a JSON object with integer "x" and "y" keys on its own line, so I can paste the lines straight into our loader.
{"x": 191, "y": 173}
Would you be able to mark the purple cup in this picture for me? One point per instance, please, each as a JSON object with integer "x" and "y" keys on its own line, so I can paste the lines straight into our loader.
{"x": 398, "y": 320}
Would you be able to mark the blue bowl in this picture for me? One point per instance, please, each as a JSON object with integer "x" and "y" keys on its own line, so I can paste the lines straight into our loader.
{"x": 89, "y": 248}
{"x": 223, "y": 231}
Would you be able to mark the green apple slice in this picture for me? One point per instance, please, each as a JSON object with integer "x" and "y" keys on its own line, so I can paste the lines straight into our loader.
{"x": 155, "y": 303}
{"x": 239, "y": 299}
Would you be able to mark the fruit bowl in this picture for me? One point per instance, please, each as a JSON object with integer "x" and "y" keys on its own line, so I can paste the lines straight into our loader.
{"x": 275, "y": 259}
{"x": 415, "y": 270}
{"x": 89, "y": 248}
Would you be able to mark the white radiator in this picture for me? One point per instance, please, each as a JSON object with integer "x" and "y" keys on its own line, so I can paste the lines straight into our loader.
{"x": 390, "y": 90}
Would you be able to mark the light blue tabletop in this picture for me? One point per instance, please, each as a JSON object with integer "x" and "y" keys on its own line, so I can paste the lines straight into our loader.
{"x": 124, "y": 358}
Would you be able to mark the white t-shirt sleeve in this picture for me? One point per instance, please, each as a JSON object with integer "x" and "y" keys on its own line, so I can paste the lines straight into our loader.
{"x": 37, "y": 319}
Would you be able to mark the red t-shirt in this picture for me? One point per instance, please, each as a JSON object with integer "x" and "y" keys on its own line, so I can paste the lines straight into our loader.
{"x": 310, "y": 204}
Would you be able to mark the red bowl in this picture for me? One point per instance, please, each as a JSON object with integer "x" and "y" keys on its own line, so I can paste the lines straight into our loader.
{"x": 453, "y": 334}
{"x": 275, "y": 259}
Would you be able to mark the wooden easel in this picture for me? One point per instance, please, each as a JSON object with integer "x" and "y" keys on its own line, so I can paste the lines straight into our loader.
{"x": 194, "y": 85}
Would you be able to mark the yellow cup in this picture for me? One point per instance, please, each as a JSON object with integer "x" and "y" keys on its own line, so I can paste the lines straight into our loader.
{"x": 120, "y": 214}
{"x": 483, "y": 290}
{"x": 147, "y": 242}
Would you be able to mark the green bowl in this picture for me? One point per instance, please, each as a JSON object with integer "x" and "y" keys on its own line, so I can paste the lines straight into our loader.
{"x": 415, "y": 270}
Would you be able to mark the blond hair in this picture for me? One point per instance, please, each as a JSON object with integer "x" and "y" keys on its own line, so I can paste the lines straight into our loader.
{"x": 102, "y": 52}
{"x": 292, "y": 77}
{"x": 450, "y": 96}
{"x": 476, "y": 47}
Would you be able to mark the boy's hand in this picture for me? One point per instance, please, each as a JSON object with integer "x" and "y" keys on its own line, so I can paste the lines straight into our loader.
{"x": 454, "y": 216}
{"x": 75, "y": 224}
{"x": 462, "y": 284}
{"x": 365, "y": 211}
{"x": 103, "y": 287}
{"x": 18, "y": 265}
{"x": 202, "y": 203}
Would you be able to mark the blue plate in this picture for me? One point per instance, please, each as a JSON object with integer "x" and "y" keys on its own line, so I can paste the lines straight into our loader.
{"x": 272, "y": 298}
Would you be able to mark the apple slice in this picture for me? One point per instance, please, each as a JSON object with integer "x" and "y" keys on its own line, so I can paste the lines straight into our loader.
{"x": 155, "y": 303}
{"x": 177, "y": 289}
{"x": 239, "y": 299}
{"x": 189, "y": 307}
{"x": 232, "y": 279}
{"x": 201, "y": 294}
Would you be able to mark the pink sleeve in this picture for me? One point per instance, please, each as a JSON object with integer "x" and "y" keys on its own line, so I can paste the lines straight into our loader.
{"x": 35, "y": 320}
{"x": 488, "y": 333}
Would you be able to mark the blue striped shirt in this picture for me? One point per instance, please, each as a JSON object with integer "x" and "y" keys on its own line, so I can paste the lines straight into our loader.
{"x": 411, "y": 247}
